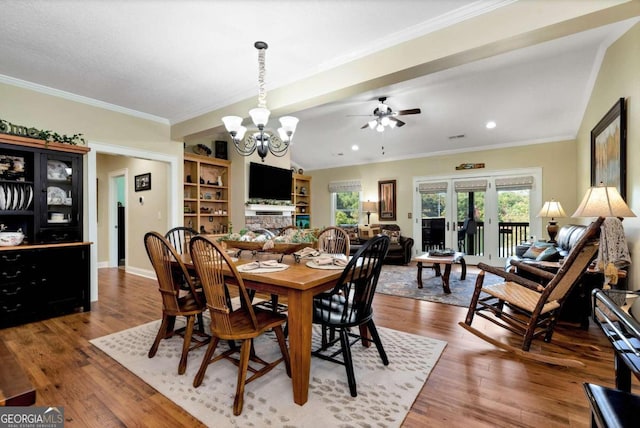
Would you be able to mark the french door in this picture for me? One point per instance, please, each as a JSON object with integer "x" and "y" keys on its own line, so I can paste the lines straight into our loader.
{"x": 483, "y": 216}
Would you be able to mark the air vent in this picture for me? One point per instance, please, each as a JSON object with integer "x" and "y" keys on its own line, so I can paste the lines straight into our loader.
{"x": 455, "y": 137}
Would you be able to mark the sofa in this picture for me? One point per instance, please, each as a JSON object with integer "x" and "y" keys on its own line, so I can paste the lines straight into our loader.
{"x": 400, "y": 248}
{"x": 550, "y": 252}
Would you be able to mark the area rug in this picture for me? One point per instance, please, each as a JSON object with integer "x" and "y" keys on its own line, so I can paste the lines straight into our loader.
{"x": 385, "y": 394}
{"x": 401, "y": 281}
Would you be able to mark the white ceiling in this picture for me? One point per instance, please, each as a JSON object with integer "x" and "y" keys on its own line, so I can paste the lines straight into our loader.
{"x": 174, "y": 60}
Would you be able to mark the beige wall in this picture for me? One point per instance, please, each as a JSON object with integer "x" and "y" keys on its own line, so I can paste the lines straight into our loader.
{"x": 619, "y": 77}
{"x": 557, "y": 160}
{"x": 109, "y": 128}
{"x": 141, "y": 217}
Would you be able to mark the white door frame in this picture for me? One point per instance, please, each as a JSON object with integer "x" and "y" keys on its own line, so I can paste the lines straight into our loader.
{"x": 490, "y": 205}
{"x": 90, "y": 192}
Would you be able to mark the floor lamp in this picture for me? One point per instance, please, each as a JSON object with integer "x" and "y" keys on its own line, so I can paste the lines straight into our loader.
{"x": 552, "y": 209}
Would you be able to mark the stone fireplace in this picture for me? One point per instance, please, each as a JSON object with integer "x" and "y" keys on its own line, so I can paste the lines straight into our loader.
{"x": 257, "y": 216}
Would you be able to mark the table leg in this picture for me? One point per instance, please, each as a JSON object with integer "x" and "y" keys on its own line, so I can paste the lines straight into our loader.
{"x": 300, "y": 323}
{"x": 445, "y": 278}
{"x": 463, "y": 264}
{"x": 419, "y": 279}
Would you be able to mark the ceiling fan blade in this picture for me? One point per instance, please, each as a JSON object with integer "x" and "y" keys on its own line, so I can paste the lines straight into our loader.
{"x": 366, "y": 125}
{"x": 397, "y": 121}
{"x": 410, "y": 111}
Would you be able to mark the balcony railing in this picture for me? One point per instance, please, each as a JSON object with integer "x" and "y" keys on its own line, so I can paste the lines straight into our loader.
{"x": 510, "y": 234}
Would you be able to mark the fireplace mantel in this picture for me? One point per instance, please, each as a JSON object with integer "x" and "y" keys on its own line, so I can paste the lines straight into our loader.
{"x": 263, "y": 209}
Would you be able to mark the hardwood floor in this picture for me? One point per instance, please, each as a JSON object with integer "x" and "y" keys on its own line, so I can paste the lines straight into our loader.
{"x": 473, "y": 384}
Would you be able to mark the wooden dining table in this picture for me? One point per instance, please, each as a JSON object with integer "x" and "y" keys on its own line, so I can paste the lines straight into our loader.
{"x": 299, "y": 283}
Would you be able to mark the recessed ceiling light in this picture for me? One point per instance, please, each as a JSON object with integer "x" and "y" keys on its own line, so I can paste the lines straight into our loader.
{"x": 355, "y": 147}
{"x": 491, "y": 124}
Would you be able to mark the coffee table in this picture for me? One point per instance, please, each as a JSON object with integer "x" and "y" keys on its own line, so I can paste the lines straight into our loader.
{"x": 436, "y": 262}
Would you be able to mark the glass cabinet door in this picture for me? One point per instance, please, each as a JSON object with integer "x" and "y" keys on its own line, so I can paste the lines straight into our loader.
{"x": 59, "y": 173}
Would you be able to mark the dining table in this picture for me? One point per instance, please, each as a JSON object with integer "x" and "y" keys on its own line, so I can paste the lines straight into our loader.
{"x": 299, "y": 283}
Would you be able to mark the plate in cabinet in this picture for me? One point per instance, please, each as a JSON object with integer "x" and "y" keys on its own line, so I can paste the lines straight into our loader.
{"x": 3, "y": 198}
{"x": 56, "y": 196}
{"x": 57, "y": 170}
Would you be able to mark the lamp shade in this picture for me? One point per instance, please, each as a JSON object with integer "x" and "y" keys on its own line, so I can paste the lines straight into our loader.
{"x": 552, "y": 209}
{"x": 370, "y": 207}
{"x": 603, "y": 201}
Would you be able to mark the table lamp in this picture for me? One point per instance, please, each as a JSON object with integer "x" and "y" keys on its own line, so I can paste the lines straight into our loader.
{"x": 603, "y": 201}
{"x": 369, "y": 207}
{"x": 552, "y": 209}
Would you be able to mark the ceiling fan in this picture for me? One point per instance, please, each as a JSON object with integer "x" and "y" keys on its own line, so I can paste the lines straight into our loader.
{"x": 384, "y": 116}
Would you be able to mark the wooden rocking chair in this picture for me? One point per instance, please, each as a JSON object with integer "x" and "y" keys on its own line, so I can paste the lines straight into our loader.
{"x": 528, "y": 308}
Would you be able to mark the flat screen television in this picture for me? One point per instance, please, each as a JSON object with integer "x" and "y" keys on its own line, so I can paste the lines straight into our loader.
{"x": 269, "y": 182}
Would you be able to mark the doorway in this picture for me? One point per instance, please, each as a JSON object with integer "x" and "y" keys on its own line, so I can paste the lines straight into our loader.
{"x": 484, "y": 216}
{"x": 118, "y": 217}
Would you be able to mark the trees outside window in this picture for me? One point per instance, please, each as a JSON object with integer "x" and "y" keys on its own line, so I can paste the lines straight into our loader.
{"x": 346, "y": 208}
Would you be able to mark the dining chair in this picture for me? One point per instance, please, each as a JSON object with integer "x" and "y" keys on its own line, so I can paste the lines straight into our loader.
{"x": 179, "y": 237}
{"x": 348, "y": 305}
{"x": 530, "y": 308}
{"x": 333, "y": 240}
{"x": 243, "y": 324}
{"x": 171, "y": 273}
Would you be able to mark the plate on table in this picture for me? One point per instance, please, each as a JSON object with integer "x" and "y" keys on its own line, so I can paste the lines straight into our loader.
{"x": 57, "y": 170}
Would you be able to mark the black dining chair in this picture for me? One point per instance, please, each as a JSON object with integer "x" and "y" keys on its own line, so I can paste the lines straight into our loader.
{"x": 348, "y": 306}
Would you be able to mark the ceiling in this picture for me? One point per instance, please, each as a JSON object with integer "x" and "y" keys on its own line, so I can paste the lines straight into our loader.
{"x": 171, "y": 61}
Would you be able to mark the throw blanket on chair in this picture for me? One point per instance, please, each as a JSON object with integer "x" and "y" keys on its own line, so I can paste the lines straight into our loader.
{"x": 613, "y": 252}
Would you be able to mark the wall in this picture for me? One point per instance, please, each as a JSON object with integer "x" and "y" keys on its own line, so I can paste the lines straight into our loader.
{"x": 27, "y": 107}
{"x": 141, "y": 217}
{"x": 557, "y": 160}
{"x": 618, "y": 77}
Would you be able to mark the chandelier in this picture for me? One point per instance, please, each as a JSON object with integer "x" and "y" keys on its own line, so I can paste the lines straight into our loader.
{"x": 262, "y": 139}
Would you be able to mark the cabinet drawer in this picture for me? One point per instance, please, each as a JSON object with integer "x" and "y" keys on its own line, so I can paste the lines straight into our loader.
{"x": 66, "y": 234}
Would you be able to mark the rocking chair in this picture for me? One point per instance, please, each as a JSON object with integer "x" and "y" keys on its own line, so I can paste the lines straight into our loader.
{"x": 528, "y": 308}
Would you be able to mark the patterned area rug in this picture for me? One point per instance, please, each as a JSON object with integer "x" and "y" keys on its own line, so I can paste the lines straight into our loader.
{"x": 385, "y": 394}
{"x": 401, "y": 281}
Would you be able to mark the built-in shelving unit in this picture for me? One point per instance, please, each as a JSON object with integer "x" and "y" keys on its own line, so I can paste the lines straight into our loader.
{"x": 301, "y": 199}
{"x": 207, "y": 193}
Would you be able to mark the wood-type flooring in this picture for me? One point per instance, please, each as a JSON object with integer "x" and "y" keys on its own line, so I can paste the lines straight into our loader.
{"x": 473, "y": 384}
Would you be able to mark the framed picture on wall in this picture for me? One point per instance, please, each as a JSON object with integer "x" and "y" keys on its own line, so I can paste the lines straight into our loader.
{"x": 609, "y": 149}
{"x": 387, "y": 200}
{"x": 143, "y": 182}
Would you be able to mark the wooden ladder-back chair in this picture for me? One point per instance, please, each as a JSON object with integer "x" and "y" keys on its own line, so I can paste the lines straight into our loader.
{"x": 526, "y": 307}
{"x": 217, "y": 272}
{"x": 333, "y": 240}
{"x": 348, "y": 305}
{"x": 171, "y": 274}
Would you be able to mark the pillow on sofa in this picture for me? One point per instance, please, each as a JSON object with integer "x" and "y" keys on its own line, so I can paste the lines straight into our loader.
{"x": 536, "y": 249}
{"x": 550, "y": 254}
{"x": 394, "y": 235}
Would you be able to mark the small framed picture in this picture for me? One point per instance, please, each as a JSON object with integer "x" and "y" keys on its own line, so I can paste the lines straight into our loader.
{"x": 143, "y": 182}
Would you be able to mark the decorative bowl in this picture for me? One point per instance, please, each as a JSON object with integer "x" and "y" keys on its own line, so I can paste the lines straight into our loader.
{"x": 10, "y": 239}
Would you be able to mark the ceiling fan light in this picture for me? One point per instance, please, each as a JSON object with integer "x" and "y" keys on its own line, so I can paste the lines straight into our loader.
{"x": 392, "y": 123}
{"x": 372, "y": 124}
{"x": 384, "y": 121}
{"x": 380, "y": 128}
{"x": 260, "y": 116}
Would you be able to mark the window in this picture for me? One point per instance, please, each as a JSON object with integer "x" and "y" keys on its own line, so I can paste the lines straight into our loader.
{"x": 345, "y": 202}
{"x": 346, "y": 209}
